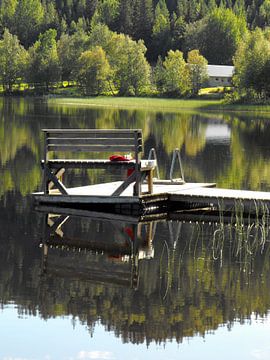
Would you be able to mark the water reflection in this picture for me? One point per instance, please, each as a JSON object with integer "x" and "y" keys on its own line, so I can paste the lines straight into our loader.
{"x": 122, "y": 242}
{"x": 145, "y": 279}
{"x": 152, "y": 280}
{"x": 232, "y": 151}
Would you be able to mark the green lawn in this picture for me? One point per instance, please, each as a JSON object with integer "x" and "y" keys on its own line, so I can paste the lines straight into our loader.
{"x": 157, "y": 104}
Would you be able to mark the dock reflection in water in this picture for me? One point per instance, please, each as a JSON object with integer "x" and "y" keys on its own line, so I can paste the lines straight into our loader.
{"x": 97, "y": 249}
{"x": 153, "y": 279}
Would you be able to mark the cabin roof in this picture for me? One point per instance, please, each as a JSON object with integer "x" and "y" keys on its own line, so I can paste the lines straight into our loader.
{"x": 220, "y": 70}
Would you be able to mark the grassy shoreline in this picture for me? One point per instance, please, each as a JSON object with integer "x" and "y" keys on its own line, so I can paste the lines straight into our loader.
{"x": 157, "y": 104}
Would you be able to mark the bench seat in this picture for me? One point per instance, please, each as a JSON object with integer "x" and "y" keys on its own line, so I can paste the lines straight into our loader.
{"x": 90, "y": 163}
{"x": 110, "y": 141}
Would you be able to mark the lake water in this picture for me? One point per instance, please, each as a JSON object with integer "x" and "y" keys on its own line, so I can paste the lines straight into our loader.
{"x": 83, "y": 288}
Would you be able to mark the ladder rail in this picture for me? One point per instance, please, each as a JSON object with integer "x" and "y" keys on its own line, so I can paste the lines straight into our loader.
{"x": 176, "y": 155}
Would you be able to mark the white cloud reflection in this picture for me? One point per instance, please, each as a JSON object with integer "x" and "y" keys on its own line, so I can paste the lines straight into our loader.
{"x": 13, "y": 358}
{"x": 95, "y": 355}
{"x": 261, "y": 354}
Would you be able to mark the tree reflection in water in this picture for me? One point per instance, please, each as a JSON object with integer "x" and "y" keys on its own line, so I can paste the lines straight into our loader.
{"x": 181, "y": 278}
{"x": 150, "y": 280}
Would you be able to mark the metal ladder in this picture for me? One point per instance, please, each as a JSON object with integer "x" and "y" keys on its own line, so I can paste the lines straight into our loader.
{"x": 176, "y": 155}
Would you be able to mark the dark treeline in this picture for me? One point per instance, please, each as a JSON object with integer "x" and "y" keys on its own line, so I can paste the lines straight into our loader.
{"x": 162, "y": 24}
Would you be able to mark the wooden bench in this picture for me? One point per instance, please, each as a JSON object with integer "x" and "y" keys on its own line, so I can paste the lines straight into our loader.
{"x": 120, "y": 141}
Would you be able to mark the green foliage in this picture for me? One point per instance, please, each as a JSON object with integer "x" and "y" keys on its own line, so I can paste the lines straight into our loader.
{"x": 197, "y": 67}
{"x": 94, "y": 71}
{"x": 50, "y": 18}
{"x": 44, "y": 67}
{"x": 127, "y": 60}
{"x": 13, "y": 60}
{"x": 132, "y": 71}
{"x": 172, "y": 76}
{"x": 217, "y": 36}
{"x": 161, "y": 29}
{"x": 107, "y": 12}
{"x": 214, "y": 27}
{"x": 252, "y": 65}
{"x": 125, "y": 20}
{"x": 69, "y": 48}
{"x": 264, "y": 14}
{"x": 28, "y": 20}
{"x": 144, "y": 15}
{"x": 178, "y": 29}
{"x": 7, "y": 13}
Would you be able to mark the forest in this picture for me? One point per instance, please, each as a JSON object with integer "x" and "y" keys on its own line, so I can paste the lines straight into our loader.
{"x": 140, "y": 47}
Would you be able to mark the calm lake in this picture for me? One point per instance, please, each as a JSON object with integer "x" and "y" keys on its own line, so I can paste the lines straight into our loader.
{"x": 79, "y": 288}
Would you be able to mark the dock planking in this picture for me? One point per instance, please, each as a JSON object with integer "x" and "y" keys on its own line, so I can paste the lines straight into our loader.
{"x": 222, "y": 197}
{"x": 181, "y": 196}
{"x": 103, "y": 191}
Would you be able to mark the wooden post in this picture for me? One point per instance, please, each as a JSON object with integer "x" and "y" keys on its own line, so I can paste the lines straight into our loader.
{"x": 137, "y": 187}
{"x": 150, "y": 181}
{"x": 45, "y": 177}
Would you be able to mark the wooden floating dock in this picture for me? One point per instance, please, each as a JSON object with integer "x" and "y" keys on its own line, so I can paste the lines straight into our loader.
{"x": 138, "y": 192}
{"x": 185, "y": 196}
{"x": 100, "y": 194}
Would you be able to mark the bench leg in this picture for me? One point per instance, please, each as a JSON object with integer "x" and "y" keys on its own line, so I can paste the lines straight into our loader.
{"x": 59, "y": 174}
{"x": 124, "y": 185}
{"x": 49, "y": 176}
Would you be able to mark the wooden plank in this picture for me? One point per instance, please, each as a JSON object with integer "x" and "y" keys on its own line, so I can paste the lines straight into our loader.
{"x": 89, "y": 141}
{"x": 168, "y": 182}
{"x": 94, "y": 148}
{"x": 97, "y": 131}
{"x": 90, "y": 164}
{"x": 114, "y": 134}
{"x": 83, "y": 135}
{"x": 84, "y": 199}
{"x": 223, "y": 194}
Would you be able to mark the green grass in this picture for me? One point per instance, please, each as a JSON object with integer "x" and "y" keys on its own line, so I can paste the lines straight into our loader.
{"x": 154, "y": 104}
{"x": 157, "y": 104}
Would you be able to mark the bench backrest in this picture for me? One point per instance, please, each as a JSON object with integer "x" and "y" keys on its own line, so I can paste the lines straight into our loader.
{"x": 93, "y": 140}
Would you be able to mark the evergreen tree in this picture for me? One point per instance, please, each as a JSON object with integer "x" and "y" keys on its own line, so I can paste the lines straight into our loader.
{"x": 264, "y": 14}
{"x": 7, "y": 13}
{"x": 143, "y": 15}
{"x": 161, "y": 30}
{"x": 107, "y": 12}
{"x": 29, "y": 16}
{"x": 50, "y": 19}
{"x": 178, "y": 29}
{"x": 125, "y": 18}
{"x": 182, "y": 9}
{"x": 217, "y": 36}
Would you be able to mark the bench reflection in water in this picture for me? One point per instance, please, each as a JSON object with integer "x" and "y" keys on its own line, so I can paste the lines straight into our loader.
{"x": 96, "y": 248}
